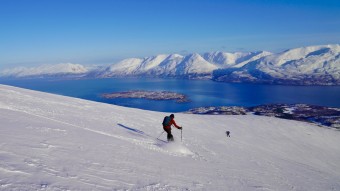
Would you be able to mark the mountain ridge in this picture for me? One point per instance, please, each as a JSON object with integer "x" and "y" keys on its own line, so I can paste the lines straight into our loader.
{"x": 312, "y": 65}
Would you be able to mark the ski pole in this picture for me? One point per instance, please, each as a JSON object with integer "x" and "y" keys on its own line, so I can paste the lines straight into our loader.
{"x": 160, "y": 135}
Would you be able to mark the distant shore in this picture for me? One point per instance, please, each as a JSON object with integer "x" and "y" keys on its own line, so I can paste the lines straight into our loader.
{"x": 320, "y": 115}
{"x": 151, "y": 95}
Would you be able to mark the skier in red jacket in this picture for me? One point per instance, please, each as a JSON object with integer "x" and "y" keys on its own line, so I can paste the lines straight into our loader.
{"x": 167, "y": 122}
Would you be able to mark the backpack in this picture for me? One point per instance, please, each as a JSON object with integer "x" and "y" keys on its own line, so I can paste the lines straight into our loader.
{"x": 166, "y": 121}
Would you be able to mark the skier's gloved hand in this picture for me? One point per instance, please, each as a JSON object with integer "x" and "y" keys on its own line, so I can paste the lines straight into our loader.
{"x": 179, "y": 127}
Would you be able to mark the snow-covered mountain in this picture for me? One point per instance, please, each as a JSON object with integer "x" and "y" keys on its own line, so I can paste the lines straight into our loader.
{"x": 45, "y": 70}
{"x": 161, "y": 65}
{"x": 134, "y": 66}
{"x": 305, "y": 66}
{"x": 175, "y": 65}
{"x": 52, "y": 142}
{"x": 313, "y": 65}
{"x": 237, "y": 59}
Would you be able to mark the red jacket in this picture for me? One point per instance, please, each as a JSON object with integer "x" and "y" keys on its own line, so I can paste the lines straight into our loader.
{"x": 172, "y": 122}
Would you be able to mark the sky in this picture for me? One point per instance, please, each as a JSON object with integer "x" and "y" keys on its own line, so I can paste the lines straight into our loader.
{"x": 36, "y": 32}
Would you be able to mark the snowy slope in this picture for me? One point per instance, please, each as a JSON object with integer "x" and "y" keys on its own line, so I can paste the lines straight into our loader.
{"x": 167, "y": 67}
{"x": 51, "y": 142}
{"x": 126, "y": 66}
{"x": 194, "y": 64}
{"x": 237, "y": 59}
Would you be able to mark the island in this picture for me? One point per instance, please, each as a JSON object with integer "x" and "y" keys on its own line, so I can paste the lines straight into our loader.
{"x": 151, "y": 95}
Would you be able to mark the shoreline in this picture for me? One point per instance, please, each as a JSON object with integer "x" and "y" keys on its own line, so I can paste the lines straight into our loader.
{"x": 319, "y": 115}
{"x": 151, "y": 95}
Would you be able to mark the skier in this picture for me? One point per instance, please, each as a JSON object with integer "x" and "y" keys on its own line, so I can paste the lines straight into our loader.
{"x": 167, "y": 122}
{"x": 228, "y": 133}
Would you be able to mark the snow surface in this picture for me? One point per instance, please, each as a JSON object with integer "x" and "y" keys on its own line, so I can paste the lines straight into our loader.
{"x": 52, "y": 142}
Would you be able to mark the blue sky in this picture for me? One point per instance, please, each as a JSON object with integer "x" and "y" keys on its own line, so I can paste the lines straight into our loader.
{"x": 35, "y": 32}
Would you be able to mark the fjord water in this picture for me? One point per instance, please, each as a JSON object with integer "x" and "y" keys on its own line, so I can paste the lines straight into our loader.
{"x": 202, "y": 93}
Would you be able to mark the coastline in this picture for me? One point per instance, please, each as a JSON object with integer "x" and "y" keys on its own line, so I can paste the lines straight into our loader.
{"x": 151, "y": 95}
{"x": 319, "y": 115}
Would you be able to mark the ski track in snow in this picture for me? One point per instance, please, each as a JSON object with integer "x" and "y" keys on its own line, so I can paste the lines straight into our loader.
{"x": 50, "y": 142}
{"x": 177, "y": 150}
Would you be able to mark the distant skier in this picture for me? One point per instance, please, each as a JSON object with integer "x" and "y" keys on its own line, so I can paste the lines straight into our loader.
{"x": 167, "y": 123}
{"x": 228, "y": 133}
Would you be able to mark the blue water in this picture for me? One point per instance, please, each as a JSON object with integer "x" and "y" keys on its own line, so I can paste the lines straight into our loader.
{"x": 200, "y": 92}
